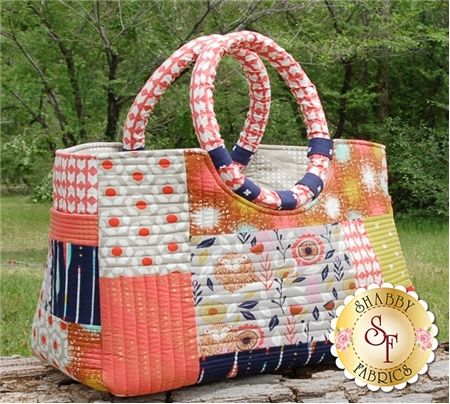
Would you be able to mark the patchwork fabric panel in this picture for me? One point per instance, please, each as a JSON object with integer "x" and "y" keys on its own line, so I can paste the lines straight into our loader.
{"x": 267, "y": 360}
{"x": 384, "y": 239}
{"x": 74, "y": 349}
{"x": 86, "y": 354}
{"x": 277, "y": 167}
{"x": 191, "y": 282}
{"x": 74, "y": 292}
{"x": 46, "y": 292}
{"x": 149, "y": 340}
{"x": 49, "y": 339}
{"x": 74, "y": 228}
{"x": 258, "y": 290}
{"x": 143, "y": 214}
{"x": 75, "y": 183}
{"x": 368, "y": 269}
{"x": 356, "y": 188}
{"x": 268, "y": 288}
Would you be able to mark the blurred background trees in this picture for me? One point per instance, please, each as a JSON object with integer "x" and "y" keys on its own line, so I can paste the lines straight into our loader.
{"x": 71, "y": 69}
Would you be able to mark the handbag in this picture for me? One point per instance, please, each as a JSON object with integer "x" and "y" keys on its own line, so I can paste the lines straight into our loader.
{"x": 168, "y": 268}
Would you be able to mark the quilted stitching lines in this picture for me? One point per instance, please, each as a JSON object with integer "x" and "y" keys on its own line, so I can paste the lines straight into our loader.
{"x": 268, "y": 288}
{"x": 50, "y": 338}
{"x": 366, "y": 263}
{"x": 143, "y": 213}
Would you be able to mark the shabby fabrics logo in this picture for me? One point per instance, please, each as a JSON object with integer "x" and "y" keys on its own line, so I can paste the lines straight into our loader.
{"x": 383, "y": 337}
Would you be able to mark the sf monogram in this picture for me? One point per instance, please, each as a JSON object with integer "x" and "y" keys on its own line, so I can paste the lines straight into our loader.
{"x": 377, "y": 336}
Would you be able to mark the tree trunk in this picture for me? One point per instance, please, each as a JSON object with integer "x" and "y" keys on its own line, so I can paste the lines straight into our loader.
{"x": 383, "y": 89}
{"x": 342, "y": 112}
{"x": 383, "y": 70}
{"x": 66, "y": 53}
{"x": 347, "y": 63}
{"x": 113, "y": 99}
{"x": 27, "y": 380}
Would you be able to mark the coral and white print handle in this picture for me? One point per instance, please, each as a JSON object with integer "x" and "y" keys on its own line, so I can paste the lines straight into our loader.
{"x": 166, "y": 74}
{"x": 207, "y": 129}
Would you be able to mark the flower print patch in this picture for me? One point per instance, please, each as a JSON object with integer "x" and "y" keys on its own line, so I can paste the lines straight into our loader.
{"x": 269, "y": 288}
{"x": 308, "y": 249}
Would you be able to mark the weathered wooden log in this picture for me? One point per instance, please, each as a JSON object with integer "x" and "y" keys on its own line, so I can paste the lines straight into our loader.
{"x": 28, "y": 380}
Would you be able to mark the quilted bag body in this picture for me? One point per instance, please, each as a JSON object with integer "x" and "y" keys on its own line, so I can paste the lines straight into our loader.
{"x": 168, "y": 268}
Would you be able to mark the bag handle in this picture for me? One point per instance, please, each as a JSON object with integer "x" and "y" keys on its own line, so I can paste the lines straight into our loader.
{"x": 167, "y": 73}
{"x": 207, "y": 129}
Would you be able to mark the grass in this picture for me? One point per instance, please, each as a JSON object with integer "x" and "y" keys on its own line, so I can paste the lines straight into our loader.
{"x": 25, "y": 227}
{"x": 425, "y": 246}
{"x": 19, "y": 291}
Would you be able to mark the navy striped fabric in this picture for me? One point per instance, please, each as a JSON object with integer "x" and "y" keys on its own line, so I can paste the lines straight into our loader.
{"x": 266, "y": 360}
{"x": 74, "y": 283}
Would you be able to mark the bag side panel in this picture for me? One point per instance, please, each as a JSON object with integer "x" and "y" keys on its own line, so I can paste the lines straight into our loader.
{"x": 355, "y": 195}
{"x": 66, "y": 327}
{"x": 49, "y": 334}
{"x": 265, "y": 300}
{"x": 277, "y": 167}
{"x": 75, "y": 183}
{"x": 360, "y": 249}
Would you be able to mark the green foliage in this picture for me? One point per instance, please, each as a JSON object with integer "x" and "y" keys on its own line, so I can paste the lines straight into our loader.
{"x": 44, "y": 190}
{"x": 70, "y": 71}
{"x": 18, "y": 159}
{"x": 25, "y": 160}
{"x": 418, "y": 183}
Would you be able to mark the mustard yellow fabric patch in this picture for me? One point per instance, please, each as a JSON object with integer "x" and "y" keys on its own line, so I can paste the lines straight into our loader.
{"x": 384, "y": 239}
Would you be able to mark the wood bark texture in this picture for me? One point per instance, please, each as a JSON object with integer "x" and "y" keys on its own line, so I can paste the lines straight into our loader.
{"x": 28, "y": 380}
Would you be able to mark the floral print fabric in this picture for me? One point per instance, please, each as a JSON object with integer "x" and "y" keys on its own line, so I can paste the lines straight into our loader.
{"x": 268, "y": 288}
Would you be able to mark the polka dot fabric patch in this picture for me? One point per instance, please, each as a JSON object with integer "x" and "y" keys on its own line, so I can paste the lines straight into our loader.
{"x": 49, "y": 340}
{"x": 143, "y": 213}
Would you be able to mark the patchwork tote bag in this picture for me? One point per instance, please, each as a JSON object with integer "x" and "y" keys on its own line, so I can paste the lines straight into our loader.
{"x": 168, "y": 268}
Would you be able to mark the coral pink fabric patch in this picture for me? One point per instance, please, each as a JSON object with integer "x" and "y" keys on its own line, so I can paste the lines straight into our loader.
{"x": 75, "y": 183}
{"x": 74, "y": 228}
{"x": 368, "y": 268}
{"x": 148, "y": 333}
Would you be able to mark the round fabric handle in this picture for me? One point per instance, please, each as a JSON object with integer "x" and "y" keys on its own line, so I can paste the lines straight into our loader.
{"x": 320, "y": 146}
{"x": 166, "y": 74}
